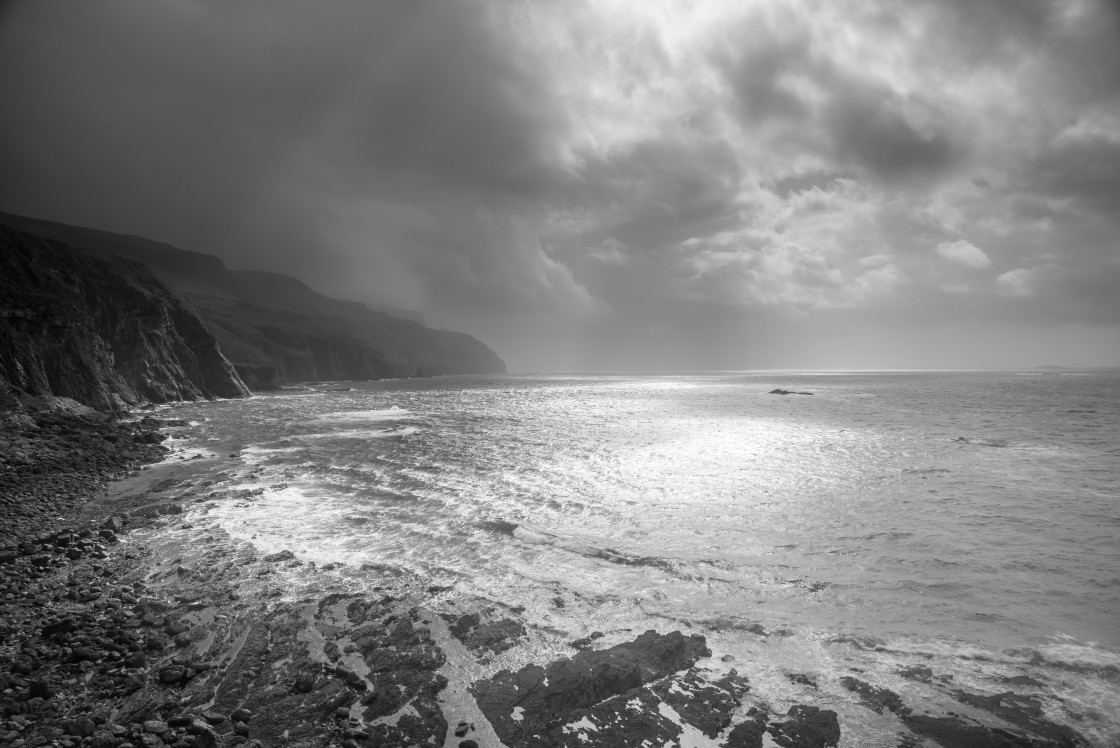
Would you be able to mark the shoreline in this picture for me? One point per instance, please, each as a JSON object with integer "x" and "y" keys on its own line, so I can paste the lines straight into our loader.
{"x": 135, "y": 622}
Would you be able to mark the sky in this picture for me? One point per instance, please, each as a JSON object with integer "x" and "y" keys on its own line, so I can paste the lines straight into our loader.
{"x": 609, "y": 185}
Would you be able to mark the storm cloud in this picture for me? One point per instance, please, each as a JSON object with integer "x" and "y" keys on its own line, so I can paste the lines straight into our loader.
{"x": 609, "y": 184}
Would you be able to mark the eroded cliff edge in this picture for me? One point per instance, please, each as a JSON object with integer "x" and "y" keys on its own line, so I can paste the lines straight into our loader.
{"x": 101, "y": 330}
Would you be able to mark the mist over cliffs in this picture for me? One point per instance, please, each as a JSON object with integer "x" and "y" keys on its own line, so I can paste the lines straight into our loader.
{"x": 113, "y": 320}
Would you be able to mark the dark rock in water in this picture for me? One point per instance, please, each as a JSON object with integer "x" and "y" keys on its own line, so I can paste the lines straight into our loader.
{"x": 748, "y": 733}
{"x": 950, "y": 732}
{"x": 807, "y": 727}
{"x": 919, "y": 673}
{"x": 801, "y": 679}
{"x": 537, "y": 700}
{"x": 1024, "y": 712}
{"x": 588, "y": 641}
{"x": 284, "y": 555}
{"x": 780, "y": 391}
{"x": 495, "y": 637}
{"x": 875, "y": 698}
{"x": 706, "y": 706}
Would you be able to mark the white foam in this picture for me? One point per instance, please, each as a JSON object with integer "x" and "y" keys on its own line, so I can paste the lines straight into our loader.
{"x": 255, "y": 455}
{"x": 385, "y": 414}
{"x": 181, "y": 454}
{"x": 1072, "y": 653}
{"x": 525, "y": 535}
{"x": 363, "y": 433}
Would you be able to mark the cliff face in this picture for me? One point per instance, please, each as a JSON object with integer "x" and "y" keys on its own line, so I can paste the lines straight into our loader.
{"x": 101, "y": 330}
{"x": 275, "y": 329}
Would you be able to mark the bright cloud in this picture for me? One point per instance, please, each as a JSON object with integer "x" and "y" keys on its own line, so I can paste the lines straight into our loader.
{"x": 963, "y": 253}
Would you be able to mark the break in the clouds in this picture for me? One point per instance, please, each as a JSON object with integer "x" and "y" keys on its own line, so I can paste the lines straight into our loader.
{"x": 609, "y": 184}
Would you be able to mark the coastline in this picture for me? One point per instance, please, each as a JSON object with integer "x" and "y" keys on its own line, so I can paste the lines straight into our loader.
{"x": 131, "y": 620}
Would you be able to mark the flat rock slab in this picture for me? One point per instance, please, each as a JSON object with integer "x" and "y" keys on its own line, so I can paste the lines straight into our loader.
{"x": 576, "y": 701}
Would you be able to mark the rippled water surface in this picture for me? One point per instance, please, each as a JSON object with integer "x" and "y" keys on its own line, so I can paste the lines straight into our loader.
{"x": 969, "y": 522}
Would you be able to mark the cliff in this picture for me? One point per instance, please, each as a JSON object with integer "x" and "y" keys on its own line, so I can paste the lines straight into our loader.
{"x": 275, "y": 329}
{"x": 101, "y": 330}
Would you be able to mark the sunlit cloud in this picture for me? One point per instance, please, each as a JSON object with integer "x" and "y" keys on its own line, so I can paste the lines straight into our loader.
{"x": 963, "y": 253}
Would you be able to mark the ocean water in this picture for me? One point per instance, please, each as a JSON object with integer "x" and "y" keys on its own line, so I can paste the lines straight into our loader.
{"x": 968, "y": 522}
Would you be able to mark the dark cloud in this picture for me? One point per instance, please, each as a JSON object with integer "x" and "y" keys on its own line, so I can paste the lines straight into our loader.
{"x": 1085, "y": 169}
{"x": 665, "y": 191}
{"x": 1075, "y": 45}
{"x": 443, "y": 97}
{"x": 982, "y": 31}
{"x": 851, "y": 122}
{"x": 871, "y": 128}
{"x": 754, "y": 60}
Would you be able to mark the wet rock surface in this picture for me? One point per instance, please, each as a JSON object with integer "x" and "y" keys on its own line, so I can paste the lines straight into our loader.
{"x": 481, "y": 636}
{"x": 807, "y": 727}
{"x": 538, "y": 705}
{"x": 877, "y": 699}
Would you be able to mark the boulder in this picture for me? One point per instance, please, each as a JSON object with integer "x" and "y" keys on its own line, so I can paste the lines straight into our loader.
{"x": 807, "y": 727}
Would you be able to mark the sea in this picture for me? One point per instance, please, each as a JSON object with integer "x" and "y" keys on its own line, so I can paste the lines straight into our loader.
{"x": 967, "y": 522}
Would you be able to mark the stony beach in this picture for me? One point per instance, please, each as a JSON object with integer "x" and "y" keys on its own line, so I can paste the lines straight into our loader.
{"x": 128, "y": 621}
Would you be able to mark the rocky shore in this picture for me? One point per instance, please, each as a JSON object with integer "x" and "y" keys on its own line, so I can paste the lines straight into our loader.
{"x": 127, "y": 621}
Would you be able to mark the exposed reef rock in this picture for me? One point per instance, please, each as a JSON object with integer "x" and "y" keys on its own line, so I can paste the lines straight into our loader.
{"x": 875, "y": 698}
{"x": 277, "y": 330}
{"x": 780, "y": 391}
{"x": 482, "y": 637}
{"x": 807, "y": 727}
{"x": 541, "y": 706}
{"x": 100, "y": 330}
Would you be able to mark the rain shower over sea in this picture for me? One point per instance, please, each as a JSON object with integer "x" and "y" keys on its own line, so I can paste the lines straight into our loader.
{"x": 966, "y": 524}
